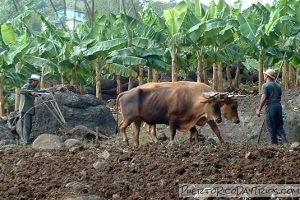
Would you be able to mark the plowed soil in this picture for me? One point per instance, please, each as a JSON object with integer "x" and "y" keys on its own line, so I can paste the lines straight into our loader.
{"x": 110, "y": 170}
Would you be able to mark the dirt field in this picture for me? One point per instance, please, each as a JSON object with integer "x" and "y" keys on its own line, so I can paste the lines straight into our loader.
{"x": 153, "y": 171}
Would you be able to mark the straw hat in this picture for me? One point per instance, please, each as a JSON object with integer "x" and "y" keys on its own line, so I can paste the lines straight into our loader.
{"x": 34, "y": 77}
{"x": 270, "y": 73}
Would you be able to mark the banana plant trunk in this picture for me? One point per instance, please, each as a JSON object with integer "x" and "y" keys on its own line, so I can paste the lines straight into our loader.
{"x": 119, "y": 84}
{"x": 285, "y": 73}
{"x": 73, "y": 79}
{"x": 43, "y": 81}
{"x": 215, "y": 77}
{"x": 62, "y": 80}
{"x": 260, "y": 72}
{"x": 220, "y": 77}
{"x": 292, "y": 77}
{"x": 298, "y": 77}
{"x": 237, "y": 74}
{"x": 174, "y": 66}
{"x": 81, "y": 88}
{"x": 2, "y": 101}
{"x": 141, "y": 75}
{"x": 130, "y": 81}
{"x": 199, "y": 67}
{"x": 228, "y": 75}
{"x": 98, "y": 80}
{"x": 205, "y": 77}
{"x": 155, "y": 75}
{"x": 150, "y": 75}
{"x": 17, "y": 98}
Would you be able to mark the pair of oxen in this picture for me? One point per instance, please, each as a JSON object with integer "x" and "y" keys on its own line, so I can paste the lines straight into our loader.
{"x": 181, "y": 105}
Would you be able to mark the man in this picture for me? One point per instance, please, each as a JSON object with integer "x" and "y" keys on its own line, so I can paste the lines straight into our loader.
{"x": 271, "y": 97}
{"x": 28, "y": 93}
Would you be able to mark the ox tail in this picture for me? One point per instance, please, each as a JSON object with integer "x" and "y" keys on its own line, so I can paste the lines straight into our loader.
{"x": 117, "y": 108}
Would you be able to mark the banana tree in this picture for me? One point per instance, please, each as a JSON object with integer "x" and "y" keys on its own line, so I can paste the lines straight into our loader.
{"x": 154, "y": 28}
{"x": 253, "y": 27}
{"x": 14, "y": 48}
{"x": 178, "y": 20}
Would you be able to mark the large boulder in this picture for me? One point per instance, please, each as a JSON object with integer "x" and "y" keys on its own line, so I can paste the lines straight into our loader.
{"x": 53, "y": 109}
{"x": 5, "y": 131}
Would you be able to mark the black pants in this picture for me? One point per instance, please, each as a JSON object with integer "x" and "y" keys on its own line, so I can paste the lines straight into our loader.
{"x": 274, "y": 121}
{"x": 26, "y": 125}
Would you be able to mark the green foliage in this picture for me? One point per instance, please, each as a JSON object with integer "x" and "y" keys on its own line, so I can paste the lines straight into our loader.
{"x": 210, "y": 179}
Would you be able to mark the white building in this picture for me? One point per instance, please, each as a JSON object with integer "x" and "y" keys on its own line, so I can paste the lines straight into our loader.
{"x": 71, "y": 19}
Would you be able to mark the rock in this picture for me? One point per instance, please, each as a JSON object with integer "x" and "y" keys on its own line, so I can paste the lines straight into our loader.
{"x": 90, "y": 197}
{"x": 5, "y": 131}
{"x": 61, "y": 111}
{"x": 72, "y": 143}
{"x": 248, "y": 155}
{"x": 47, "y": 141}
{"x": 99, "y": 164}
{"x": 294, "y": 145}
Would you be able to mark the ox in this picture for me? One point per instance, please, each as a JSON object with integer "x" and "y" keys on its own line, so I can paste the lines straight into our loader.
{"x": 229, "y": 105}
{"x": 179, "y": 107}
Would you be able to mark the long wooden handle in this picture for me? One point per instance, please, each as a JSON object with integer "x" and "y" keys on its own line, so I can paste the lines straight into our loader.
{"x": 261, "y": 130}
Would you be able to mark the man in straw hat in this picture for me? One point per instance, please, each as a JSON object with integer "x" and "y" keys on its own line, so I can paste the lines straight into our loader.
{"x": 28, "y": 93}
{"x": 271, "y": 97}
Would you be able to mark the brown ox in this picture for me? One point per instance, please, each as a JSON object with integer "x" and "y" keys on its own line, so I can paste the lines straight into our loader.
{"x": 228, "y": 107}
{"x": 179, "y": 107}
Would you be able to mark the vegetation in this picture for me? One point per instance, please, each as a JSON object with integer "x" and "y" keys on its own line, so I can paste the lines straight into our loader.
{"x": 120, "y": 34}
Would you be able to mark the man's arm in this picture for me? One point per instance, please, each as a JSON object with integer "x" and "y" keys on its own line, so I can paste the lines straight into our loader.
{"x": 263, "y": 101}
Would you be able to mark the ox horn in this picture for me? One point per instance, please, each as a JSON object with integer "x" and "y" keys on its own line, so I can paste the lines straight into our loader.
{"x": 210, "y": 95}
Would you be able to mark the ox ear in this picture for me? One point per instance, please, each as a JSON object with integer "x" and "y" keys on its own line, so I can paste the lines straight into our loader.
{"x": 210, "y": 95}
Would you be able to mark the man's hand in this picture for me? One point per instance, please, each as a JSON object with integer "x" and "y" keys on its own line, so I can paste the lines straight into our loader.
{"x": 258, "y": 112}
{"x": 33, "y": 93}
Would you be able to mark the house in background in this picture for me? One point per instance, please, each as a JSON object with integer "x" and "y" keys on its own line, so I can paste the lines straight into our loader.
{"x": 71, "y": 19}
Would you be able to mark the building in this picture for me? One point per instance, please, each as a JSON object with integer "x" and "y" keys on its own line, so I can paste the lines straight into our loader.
{"x": 71, "y": 19}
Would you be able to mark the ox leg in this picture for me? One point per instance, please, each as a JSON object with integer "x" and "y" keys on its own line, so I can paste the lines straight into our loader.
{"x": 152, "y": 132}
{"x": 136, "y": 132}
{"x": 123, "y": 125}
{"x": 173, "y": 126}
{"x": 216, "y": 130}
{"x": 194, "y": 132}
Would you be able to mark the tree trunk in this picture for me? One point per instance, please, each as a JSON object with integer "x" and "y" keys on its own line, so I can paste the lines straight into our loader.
{"x": 98, "y": 69}
{"x": 220, "y": 77}
{"x": 141, "y": 75}
{"x": 292, "y": 76}
{"x": 130, "y": 81}
{"x": 81, "y": 88}
{"x": 215, "y": 77}
{"x": 285, "y": 73}
{"x": 43, "y": 81}
{"x": 237, "y": 74}
{"x": 298, "y": 77}
{"x": 150, "y": 74}
{"x": 205, "y": 77}
{"x": 260, "y": 72}
{"x": 228, "y": 75}
{"x": 17, "y": 98}
{"x": 155, "y": 75}
{"x": 199, "y": 68}
{"x": 119, "y": 84}
{"x": 73, "y": 79}
{"x": 2, "y": 101}
{"x": 62, "y": 80}
{"x": 174, "y": 66}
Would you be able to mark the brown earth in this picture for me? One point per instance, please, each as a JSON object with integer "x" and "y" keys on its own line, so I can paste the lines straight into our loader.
{"x": 153, "y": 171}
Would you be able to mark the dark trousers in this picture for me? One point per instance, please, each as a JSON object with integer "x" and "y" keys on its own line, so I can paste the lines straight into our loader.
{"x": 26, "y": 125}
{"x": 274, "y": 122}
